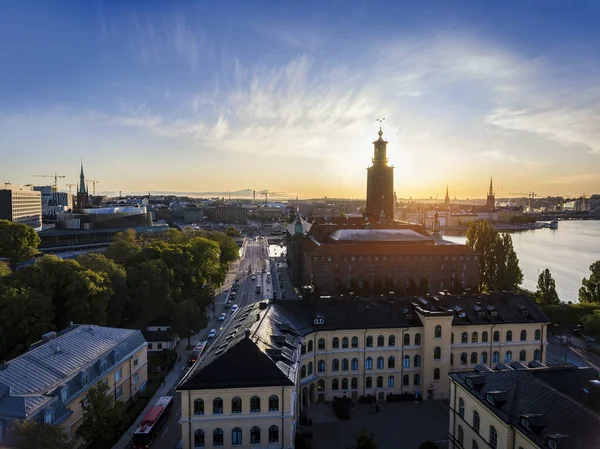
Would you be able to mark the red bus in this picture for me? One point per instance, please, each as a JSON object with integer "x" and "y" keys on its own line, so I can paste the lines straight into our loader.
{"x": 196, "y": 352}
{"x": 152, "y": 422}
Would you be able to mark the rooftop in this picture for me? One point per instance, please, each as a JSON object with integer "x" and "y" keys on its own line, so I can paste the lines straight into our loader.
{"x": 378, "y": 235}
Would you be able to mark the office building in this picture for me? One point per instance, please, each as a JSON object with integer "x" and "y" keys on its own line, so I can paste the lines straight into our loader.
{"x": 54, "y": 202}
{"x": 21, "y": 204}
{"x": 227, "y": 214}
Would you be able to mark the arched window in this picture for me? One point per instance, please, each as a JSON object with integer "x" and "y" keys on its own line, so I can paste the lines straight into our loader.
{"x": 379, "y": 381}
{"x": 461, "y": 436}
{"x": 475, "y": 445}
{"x": 199, "y": 438}
{"x": 217, "y": 406}
{"x": 345, "y": 342}
{"x": 476, "y": 421}
{"x": 303, "y": 371}
{"x": 310, "y": 368}
{"x": 344, "y": 384}
{"x": 355, "y": 342}
{"x": 391, "y": 362}
{"x": 508, "y": 335}
{"x": 391, "y": 340}
{"x": 255, "y": 435}
{"x": 537, "y": 335}
{"x": 236, "y": 405}
{"x": 369, "y": 342}
{"x": 451, "y": 358}
{"x": 508, "y": 356}
{"x": 496, "y": 336}
{"x": 344, "y": 364}
{"x": 464, "y": 337}
{"x": 335, "y": 365}
{"x": 461, "y": 407}
{"x": 369, "y": 363}
{"x": 380, "y": 363}
{"x": 218, "y": 437}
{"x": 522, "y": 355}
{"x": 436, "y": 374}
{"x": 493, "y": 437}
{"x": 335, "y": 384}
{"x": 537, "y": 355}
{"x": 417, "y": 360}
{"x": 437, "y": 353}
{"x": 406, "y": 361}
{"x": 321, "y": 344}
{"x": 368, "y": 382}
{"x": 310, "y": 345}
{"x": 523, "y": 335}
{"x": 417, "y": 380}
{"x": 484, "y": 337}
{"x": 406, "y": 339}
{"x": 303, "y": 349}
{"x": 355, "y": 364}
{"x": 473, "y": 358}
{"x": 390, "y": 381}
{"x": 254, "y": 404}
{"x": 495, "y": 357}
{"x": 273, "y": 434}
{"x": 418, "y": 339}
{"x": 474, "y": 337}
{"x": 335, "y": 343}
{"x": 405, "y": 380}
{"x": 321, "y": 366}
{"x": 463, "y": 358}
{"x": 483, "y": 357}
{"x": 321, "y": 385}
{"x": 354, "y": 383}
{"x": 437, "y": 333}
{"x": 452, "y": 337}
{"x": 198, "y": 407}
{"x": 236, "y": 436}
{"x": 273, "y": 403}
{"x": 380, "y": 341}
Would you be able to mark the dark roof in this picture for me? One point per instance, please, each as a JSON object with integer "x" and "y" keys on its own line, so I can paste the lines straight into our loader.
{"x": 378, "y": 235}
{"x": 316, "y": 248}
{"x": 536, "y": 393}
{"x": 152, "y": 336}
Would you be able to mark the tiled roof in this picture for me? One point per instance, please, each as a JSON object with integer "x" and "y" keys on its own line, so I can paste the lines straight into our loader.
{"x": 384, "y": 249}
{"x": 378, "y": 235}
{"x": 536, "y": 392}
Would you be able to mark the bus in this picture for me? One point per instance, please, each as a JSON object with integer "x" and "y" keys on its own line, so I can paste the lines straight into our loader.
{"x": 150, "y": 426}
{"x": 196, "y": 352}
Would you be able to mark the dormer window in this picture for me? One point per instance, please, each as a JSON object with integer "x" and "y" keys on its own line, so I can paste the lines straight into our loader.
{"x": 552, "y": 443}
{"x": 103, "y": 365}
{"x": 525, "y": 423}
{"x": 85, "y": 379}
{"x": 116, "y": 355}
{"x": 64, "y": 394}
{"x": 49, "y": 416}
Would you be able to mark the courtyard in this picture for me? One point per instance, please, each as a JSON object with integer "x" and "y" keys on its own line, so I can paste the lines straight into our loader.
{"x": 400, "y": 425}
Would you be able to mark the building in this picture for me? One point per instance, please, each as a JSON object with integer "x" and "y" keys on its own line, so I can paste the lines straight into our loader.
{"x": 525, "y": 408}
{"x": 276, "y": 357}
{"x": 21, "y": 204}
{"x": 193, "y": 214}
{"x": 54, "y": 202}
{"x": 48, "y": 382}
{"x": 490, "y": 203}
{"x": 105, "y": 218}
{"x": 224, "y": 214}
{"x": 159, "y": 335}
{"x": 380, "y": 183}
{"x": 447, "y": 198}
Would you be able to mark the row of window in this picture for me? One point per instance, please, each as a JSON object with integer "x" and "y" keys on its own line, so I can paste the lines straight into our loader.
{"x": 483, "y": 358}
{"x": 335, "y": 342}
{"x": 236, "y": 405}
{"x": 464, "y": 338}
{"x": 236, "y": 436}
{"x": 335, "y": 383}
{"x": 493, "y": 436}
{"x": 392, "y": 258}
{"x": 307, "y": 370}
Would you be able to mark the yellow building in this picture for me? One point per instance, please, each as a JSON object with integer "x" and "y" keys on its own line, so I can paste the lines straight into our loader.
{"x": 49, "y": 382}
{"x": 525, "y": 408}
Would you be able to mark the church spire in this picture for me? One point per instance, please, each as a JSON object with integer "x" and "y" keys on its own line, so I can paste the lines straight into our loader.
{"x": 491, "y": 192}
{"x": 447, "y": 198}
{"x": 82, "y": 185}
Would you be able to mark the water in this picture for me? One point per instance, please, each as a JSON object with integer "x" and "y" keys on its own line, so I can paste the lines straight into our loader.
{"x": 567, "y": 251}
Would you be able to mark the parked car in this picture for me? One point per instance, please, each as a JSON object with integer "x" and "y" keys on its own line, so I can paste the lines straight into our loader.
{"x": 212, "y": 333}
{"x": 253, "y": 277}
{"x": 222, "y": 316}
{"x": 234, "y": 308}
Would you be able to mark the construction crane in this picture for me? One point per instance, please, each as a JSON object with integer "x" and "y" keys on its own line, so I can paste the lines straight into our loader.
{"x": 55, "y": 176}
{"x": 529, "y": 195}
{"x": 266, "y": 194}
{"x": 71, "y": 185}
{"x": 94, "y": 182}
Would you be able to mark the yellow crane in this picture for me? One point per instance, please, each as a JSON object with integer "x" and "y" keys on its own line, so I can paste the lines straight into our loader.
{"x": 94, "y": 182}
{"x": 55, "y": 176}
{"x": 71, "y": 185}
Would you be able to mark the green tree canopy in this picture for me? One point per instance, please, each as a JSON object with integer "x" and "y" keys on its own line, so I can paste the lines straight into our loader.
{"x": 365, "y": 440}
{"x": 5, "y": 270}
{"x": 102, "y": 416}
{"x": 546, "y": 289}
{"x": 590, "y": 287}
{"x": 231, "y": 231}
{"x": 150, "y": 285}
{"x": 18, "y": 242}
{"x": 188, "y": 318}
{"x": 36, "y": 435}
{"x": 591, "y": 324}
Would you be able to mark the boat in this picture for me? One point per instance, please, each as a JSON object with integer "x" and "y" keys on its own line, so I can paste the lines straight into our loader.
{"x": 554, "y": 224}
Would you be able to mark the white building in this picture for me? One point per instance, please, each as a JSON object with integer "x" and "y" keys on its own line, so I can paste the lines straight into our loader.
{"x": 21, "y": 204}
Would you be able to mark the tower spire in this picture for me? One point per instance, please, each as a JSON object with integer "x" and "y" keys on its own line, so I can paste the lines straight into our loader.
{"x": 491, "y": 192}
{"x": 447, "y": 198}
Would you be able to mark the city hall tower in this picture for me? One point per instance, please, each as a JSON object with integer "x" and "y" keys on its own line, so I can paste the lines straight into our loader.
{"x": 380, "y": 183}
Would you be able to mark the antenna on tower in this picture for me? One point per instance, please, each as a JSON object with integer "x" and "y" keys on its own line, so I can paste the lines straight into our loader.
{"x": 380, "y": 120}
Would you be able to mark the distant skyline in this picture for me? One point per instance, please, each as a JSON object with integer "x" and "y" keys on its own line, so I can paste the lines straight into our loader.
{"x": 200, "y": 96}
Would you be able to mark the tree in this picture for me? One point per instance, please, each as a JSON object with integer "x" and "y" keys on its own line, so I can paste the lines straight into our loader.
{"x": 546, "y": 289}
{"x": 365, "y": 440}
{"x": 231, "y": 231}
{"x": 5, "y": 270}
{"x": 34, "y": 435}
{"x": 509, "y": 272}
{"x": 590, "y": 287}
{"x": 591, "y": 324}
{"x": 150, "y": 285}
{"x": 102, "y": 416}
{"x": 18, "y": 242}
{"x": 123, "y": 251}
{"x": 188, "y": 318}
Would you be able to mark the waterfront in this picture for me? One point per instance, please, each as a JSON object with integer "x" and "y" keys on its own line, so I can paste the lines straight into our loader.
{"x": 568, "y": 252}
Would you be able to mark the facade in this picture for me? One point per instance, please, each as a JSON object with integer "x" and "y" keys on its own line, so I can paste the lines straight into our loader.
{"x": 54, "y": 202}
{"x": 48, "y": 382}
{"x": 525, "y": 408}
{"x": 160, "y": 336}
{"x": 380, "y": 183}
{"x": 105, "y": 218}
{"x": 82, "y": 192}
{"x": 21, "y": 204}
{"x": 236, "y": 215}
{"x": 193, "y": 215}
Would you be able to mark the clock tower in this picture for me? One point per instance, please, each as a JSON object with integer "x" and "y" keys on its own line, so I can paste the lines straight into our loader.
{"x": 380, "y": 183}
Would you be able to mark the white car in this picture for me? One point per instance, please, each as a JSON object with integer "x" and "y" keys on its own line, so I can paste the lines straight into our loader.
{"x": 212, "y": 333}
{"x": 222, "y": 316}
{"x": 253, "y": 278}
{"x": 234, "y": 308}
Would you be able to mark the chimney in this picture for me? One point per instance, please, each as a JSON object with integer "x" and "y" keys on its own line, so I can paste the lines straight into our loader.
{"x": 247, "y": 333}
{"x": 49, "y": 336}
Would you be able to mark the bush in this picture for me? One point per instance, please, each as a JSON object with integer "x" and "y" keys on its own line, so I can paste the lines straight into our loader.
{"x": 404, "y": 397}
{"x": 341, "y": 408}
{"x": 368, "y": 399}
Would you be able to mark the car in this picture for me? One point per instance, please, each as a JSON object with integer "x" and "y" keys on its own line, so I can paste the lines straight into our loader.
{"x": 232, "y": 295}
{"x": 234, "y": 308}
{"x": 228, "y": 304}
{"x": 222, "y": 316}
{"x": 253, "y": 277}
{"x": 212, "y": 333}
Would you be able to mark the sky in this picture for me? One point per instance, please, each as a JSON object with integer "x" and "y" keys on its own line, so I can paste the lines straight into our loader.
{"x": 194, "y": 96}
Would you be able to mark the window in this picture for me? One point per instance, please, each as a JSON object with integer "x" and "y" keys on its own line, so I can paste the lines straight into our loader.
{"x": 417, "y": 361}
{"x": 254, "y": 404}
{"x": 436, "y": 374}
{"x": 451, "y": 358}
{"x": 417, "y": 380}
{"x": 303, "y": 371}
{"x": 355, "y": 342}
{"x": 508, "y": 356}
{"x": 273, "y": 434}
{"x": 135, "y": 361}
{"x": 369, "y": 342}
{"x": 537, "y": 335}
{"x": 255, "y": 435}
{"x": 484, "y": 337}
{"x": 405, "y": 380}
{"x": 236, "y": 436}
{"x": 417, "y": 339}
{"x": 437, "y": 332}
{"x": 345, "y": 342}
{"x": 217, "y": 406}
{"x": 369, "y": 363}
{"x": 473, "y": 358}
{"x": 273, "y": 403}
{"x": 380, "y": 363}
{"x": 321, "y": 366}
{"x": 64, "y": 394}
{"x": 335, "y": 343}
{"x": 303, "y": 349}
{"x": 379, "y": 381}
{"x": 452, "y": 338}
{"x": 199, "y": 438}
{"x": 508, "y": 335}
{"x": 335, "y": 384}
{"x": 344, "y": 384}
{"x": 135, "y": 379}
{"x": 475, "y": 445}
{"x": 522, "y": 355}
{"x": 495, "y": 357}
{"x": 355, "y": 364}
{"x": 474, "y": 337}
{"x": 391, "y": 340}
{"x": 310, "y": 368}
{"x": 496, "y": 336}
{"x": 218, "y": 437}
{"x": 321, "y": 344}
{"x": 354, "y": 383}
{"x": 391, "y": 362}
{"x": 493, "y": 437}
{"x": 335, "y": 365}
{"x": 149, "y": 345}
{"x": 159, "y": 345}
{"x": 464, "y": 338}
{"x": 390, "y": 382}
{"x": 476, "y": 421}
{"x": 380, "y": 341}
{"x": 483, "y": 357}
{"x": 344, "y": 364}
{"x": 461, "y": 407}
{"x": 198, "y": 407}
{"x": 437, "y": 353}
{"x": 236, "y": 405}
{"x": 310, "y": 345}
{"x": 523, "y": 335}
{"x": 406, "y": 339}
{"x": 118, "y": 375}
{"x": 406, "y": 361}
{"x": 461, "y": 435}
{"x": 463, "y": 358}
{"x": 49, "y": 417}
{"x": 368, "y": 382}
{"x": 119, "y": 392}
{"x": 537, "y": 356}
{"x": 103, "y": 365}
